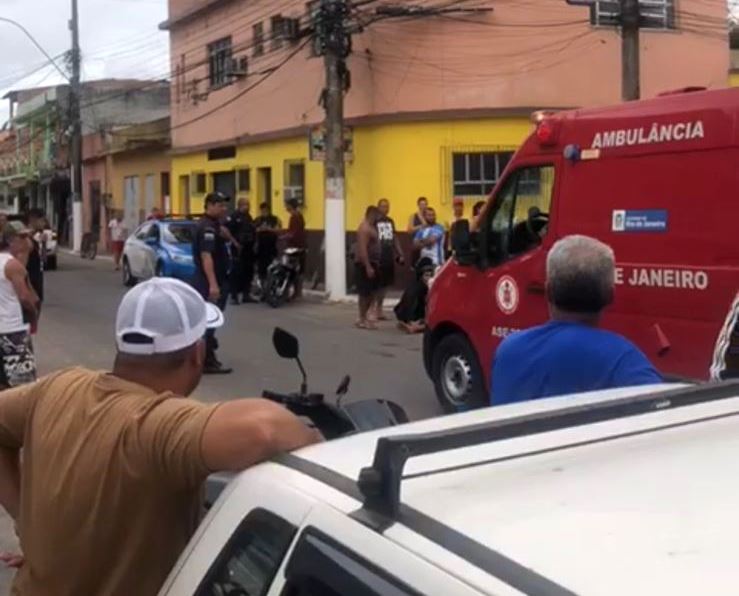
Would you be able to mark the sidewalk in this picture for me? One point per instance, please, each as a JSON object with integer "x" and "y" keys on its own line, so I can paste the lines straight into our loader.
{"x": 318, "y": 295}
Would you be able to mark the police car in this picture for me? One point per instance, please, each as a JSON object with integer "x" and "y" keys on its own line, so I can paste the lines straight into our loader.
{"x": 161, "y": 248}
{"x": 629, "y": 491}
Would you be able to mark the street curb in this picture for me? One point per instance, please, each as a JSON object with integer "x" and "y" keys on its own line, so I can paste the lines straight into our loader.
{"x": 319, "y": 296}
{"x": 312, "y": 295}
{"x": 71, "y": 253}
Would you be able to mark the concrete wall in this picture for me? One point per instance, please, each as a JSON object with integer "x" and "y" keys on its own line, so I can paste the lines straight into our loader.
{"x": 103, "y": 109}
{"x": 399, "y": 162}
{"x": 532, "y": 54}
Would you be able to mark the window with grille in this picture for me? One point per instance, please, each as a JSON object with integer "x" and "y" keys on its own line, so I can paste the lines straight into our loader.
{"x": 243, "y": 180}
{"x": 258, "y": 38}
{"x": 476, "y": 174}
{"x": 219, "y": 62}
{"x": 295, "y": 181}
{"x": 655, "y": 14}
{"x": 278, "y": 31}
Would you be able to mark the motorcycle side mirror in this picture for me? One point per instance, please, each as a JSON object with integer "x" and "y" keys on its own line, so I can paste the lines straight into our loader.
{"x": 286, "y": 344}
{"x": 344, "y": 386}
{"x": 288, "y": 347}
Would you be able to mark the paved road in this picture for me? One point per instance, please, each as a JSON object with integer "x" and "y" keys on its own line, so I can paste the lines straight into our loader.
{"x": 77, "y": 328}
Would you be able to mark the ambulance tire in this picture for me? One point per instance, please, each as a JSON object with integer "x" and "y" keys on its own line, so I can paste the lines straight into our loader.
{"x": 457, "y": 376}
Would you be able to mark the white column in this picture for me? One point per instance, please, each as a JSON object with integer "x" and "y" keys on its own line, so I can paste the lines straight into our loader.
{"x": 335, "y": 239}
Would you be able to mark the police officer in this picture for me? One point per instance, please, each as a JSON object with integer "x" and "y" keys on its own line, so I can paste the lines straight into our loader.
{"x": 212, "y": 263}
{"x": 241, "y": 226}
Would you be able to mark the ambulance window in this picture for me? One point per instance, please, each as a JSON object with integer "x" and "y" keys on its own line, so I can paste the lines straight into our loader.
{"x": 521, "y": 217}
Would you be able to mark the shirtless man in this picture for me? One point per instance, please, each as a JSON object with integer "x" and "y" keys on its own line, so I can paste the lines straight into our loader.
{"x": 367, "y": 265}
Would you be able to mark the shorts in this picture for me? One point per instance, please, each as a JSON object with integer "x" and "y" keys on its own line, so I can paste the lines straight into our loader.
{"x": 18, "y": 365}
{"x": 386, "y": 275}
{"x": 117, "y": 246}
{"x": 366, "y": 287}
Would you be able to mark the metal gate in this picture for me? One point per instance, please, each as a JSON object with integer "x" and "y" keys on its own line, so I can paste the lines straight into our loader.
{"x": 131, "y": 204}
{"x": 149, "y": 194}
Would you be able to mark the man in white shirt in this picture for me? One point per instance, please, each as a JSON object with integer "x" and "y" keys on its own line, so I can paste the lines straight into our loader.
{"x": 17, "y": 360}
{"x": 429, "y": 240}
{"x": 117, "y": 239}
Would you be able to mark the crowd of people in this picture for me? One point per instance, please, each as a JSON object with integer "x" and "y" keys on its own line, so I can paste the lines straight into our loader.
{"x": 379, "y": 252}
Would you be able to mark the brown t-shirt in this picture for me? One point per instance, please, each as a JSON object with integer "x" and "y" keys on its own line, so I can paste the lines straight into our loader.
{"x": 110, "y": 483}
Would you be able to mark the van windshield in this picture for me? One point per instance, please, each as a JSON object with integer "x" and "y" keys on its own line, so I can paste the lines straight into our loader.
{"x": 520, "y": 218}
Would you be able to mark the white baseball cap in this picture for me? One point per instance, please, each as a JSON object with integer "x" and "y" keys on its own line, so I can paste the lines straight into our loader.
{"x": 163, "y": 315}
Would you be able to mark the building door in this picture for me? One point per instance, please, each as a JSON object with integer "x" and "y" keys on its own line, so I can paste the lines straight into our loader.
{"x": 165, "y": 192}
{"x": 131, "y": 202}
{"x": 225, "y": 183}
{"x": 264, "y": 178}
{"x": 184, "y": 205}
{"x": 149, "y": 194}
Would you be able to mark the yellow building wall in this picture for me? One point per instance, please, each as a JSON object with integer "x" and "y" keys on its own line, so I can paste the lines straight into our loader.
{"x": 400, "y": 162}
{"x": 141, "y": 164}
{"x": 734, "y": 79}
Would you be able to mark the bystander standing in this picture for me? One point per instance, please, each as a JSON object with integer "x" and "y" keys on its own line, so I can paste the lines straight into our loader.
{"x": 212, "y": 263}
{"x": 367, "y": 265}
{"x": 429, "y": 240}
{"x": 570, "y": 354}
{"x": 241, "y": 227}
{"x": 268, "y": 226}
{"x": 296, "y": 238}
{"x": 36, "y": 254}
{"x": 118, "y": 232}
{"x": 391, "y": 253}
{"x": 17, "y": 298}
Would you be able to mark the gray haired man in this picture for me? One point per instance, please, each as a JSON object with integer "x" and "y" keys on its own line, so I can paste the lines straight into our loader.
{"x": 570, "y": 354}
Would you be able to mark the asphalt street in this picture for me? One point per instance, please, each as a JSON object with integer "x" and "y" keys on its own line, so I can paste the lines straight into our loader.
{"x": 77, "y": 329}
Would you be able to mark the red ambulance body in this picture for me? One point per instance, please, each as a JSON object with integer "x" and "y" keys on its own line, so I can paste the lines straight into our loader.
{"x": 657, "y": 180}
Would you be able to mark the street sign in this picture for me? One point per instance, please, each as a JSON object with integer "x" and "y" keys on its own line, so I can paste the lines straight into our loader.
{"x": 317, "y": 144}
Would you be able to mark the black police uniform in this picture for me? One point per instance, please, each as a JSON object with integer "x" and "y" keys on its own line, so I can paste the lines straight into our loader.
{"x": 241, "y": 226}
{"x": 208, "y": 238}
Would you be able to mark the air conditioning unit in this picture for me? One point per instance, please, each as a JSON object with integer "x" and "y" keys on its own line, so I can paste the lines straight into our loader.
{"x": 239, "y": 68}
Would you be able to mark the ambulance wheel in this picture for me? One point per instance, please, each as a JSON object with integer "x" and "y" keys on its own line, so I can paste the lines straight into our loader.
{"x": 457, "y": 375}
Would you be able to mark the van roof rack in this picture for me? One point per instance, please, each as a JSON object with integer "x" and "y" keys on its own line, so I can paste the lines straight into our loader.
{"x": 381, "y": 482}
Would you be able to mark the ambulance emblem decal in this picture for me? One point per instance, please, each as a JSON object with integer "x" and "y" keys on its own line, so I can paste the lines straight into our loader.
{"x": 506, "y": 294}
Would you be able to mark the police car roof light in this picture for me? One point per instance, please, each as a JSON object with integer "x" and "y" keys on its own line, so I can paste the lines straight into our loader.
{"x": 380, "y": 483}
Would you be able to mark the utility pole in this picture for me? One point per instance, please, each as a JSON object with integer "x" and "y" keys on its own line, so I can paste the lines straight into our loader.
{"x": 336, "y": 45}
{"x": 76, "y": 140}
{"x": 334, "y": 25}
{"x": 630, "y": 50}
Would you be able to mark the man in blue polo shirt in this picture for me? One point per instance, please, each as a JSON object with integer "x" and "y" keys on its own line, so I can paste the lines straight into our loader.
{"x": 570, "y": 354}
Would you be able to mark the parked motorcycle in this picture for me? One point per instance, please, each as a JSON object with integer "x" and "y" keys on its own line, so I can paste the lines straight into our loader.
{"x": 332, "y": 420}
{"x": 282, "y": 277}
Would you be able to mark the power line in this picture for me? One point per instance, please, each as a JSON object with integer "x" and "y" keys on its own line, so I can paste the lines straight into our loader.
{"x": 37, "y": 44}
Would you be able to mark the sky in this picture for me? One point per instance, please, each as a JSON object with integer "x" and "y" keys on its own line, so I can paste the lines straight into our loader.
{"x": 119, "y": 38}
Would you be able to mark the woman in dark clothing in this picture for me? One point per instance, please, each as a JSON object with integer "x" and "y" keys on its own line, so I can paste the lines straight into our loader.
{"x": 411, "y": 310}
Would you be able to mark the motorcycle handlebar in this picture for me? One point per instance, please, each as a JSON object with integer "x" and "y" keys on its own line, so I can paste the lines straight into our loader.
{"x": 326, "y": 418}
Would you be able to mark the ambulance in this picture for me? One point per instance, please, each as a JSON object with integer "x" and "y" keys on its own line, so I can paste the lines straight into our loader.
{"x": 657, "y": 180}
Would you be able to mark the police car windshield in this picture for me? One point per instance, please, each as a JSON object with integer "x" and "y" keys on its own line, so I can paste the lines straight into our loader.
{"x": 178, "y": 233}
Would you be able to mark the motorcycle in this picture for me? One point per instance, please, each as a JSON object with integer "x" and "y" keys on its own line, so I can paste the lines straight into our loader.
{"x": 332, "y": 420}
{"x": 282, "y": 278}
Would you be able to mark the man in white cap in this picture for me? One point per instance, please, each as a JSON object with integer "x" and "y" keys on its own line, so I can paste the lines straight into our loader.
{"x": 108, "y": 491}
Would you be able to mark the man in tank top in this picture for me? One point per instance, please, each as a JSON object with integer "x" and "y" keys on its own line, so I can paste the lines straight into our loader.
{"x": 17, "y": 361}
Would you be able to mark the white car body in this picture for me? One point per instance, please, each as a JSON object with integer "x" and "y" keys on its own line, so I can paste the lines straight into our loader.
{"x": 643, "y": 503}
